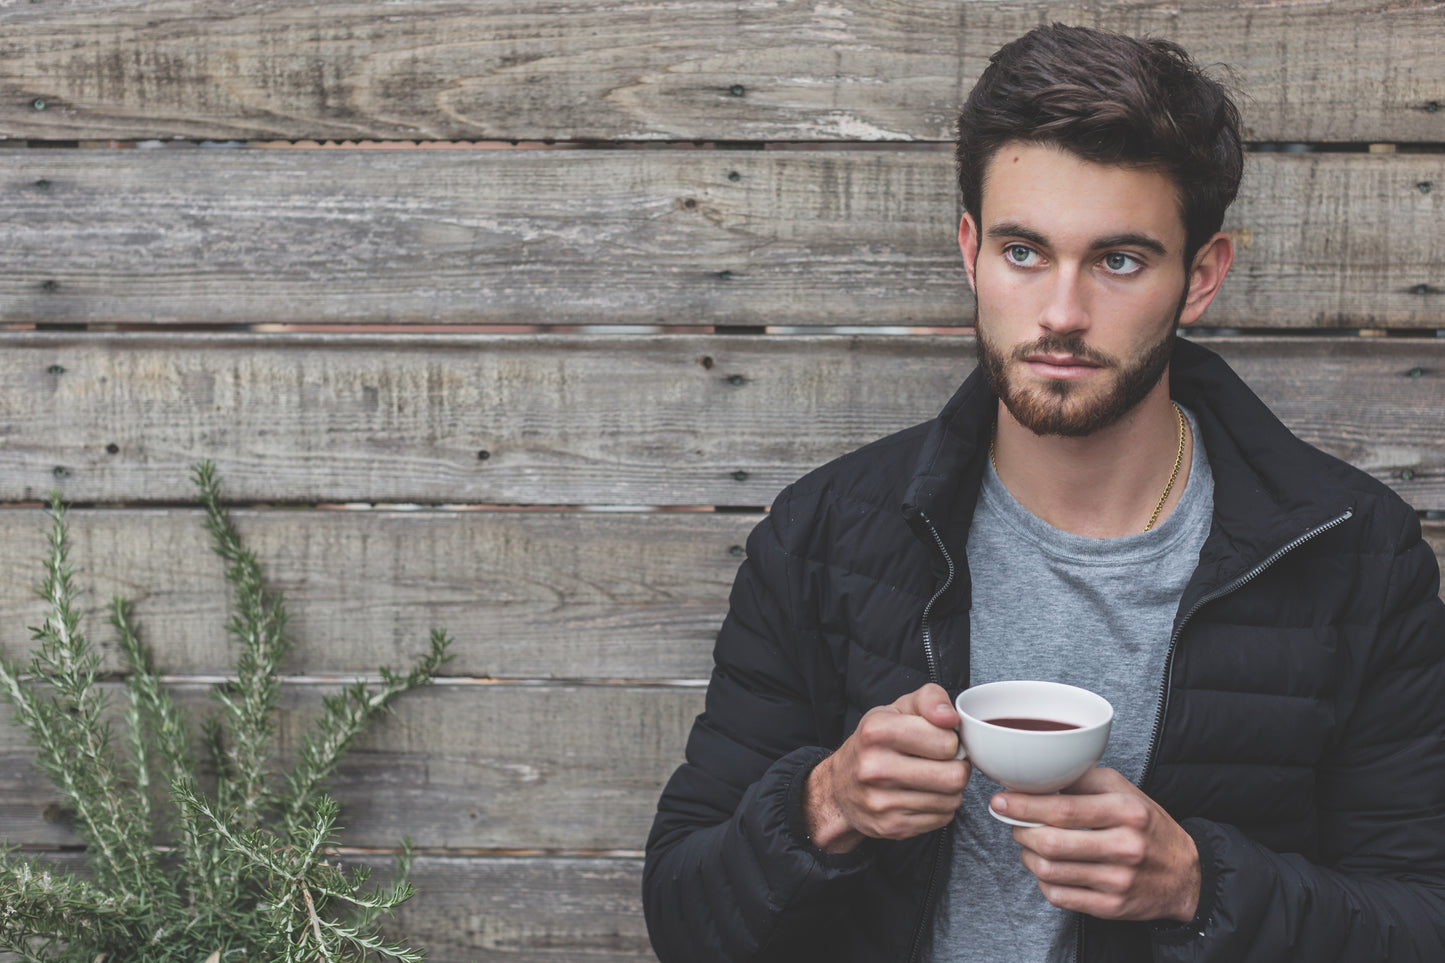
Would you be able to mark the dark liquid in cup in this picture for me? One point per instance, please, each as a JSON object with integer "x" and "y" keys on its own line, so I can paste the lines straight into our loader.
{"x": 1033, "y": 725}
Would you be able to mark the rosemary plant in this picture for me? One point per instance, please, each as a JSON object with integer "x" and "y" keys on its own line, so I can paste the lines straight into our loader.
{"x": 248, "y": 874}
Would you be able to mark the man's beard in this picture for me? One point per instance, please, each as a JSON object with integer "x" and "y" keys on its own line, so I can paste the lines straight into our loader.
{"x": 1046, "y": 409}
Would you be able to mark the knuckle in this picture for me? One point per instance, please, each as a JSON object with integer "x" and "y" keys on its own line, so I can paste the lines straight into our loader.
{"x": 870, "y": 728}
{"x": 868, "y": 822}
{"x": 1135, "y": 814}
{"x": 894, "y": 827}
{"x": 1118, "y": 883}
{"x": 927, "y": 693}
{"x": 1133, "y": 850}
{"x": 1047, "y": 844}
{"x": 1068, "y": 809}
{"x": 869, "y": 768}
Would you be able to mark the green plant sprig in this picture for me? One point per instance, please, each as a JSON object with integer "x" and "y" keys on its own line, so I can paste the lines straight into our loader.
{"x": 258, "y": 622}
{"x": 250, "y": 875}
{"x": 66, "y": 722}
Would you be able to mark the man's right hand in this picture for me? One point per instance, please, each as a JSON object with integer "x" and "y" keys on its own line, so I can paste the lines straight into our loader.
{"x": 893, "y": 778}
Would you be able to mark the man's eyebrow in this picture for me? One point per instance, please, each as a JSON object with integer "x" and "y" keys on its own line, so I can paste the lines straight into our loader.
{"x": 1130, "y": 239}
{"x": 1008, "y": 229}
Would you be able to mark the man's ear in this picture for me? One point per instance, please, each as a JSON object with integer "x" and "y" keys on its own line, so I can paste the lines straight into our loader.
{"x": 968, "y": 244}
{"x": 1206, "y": 274}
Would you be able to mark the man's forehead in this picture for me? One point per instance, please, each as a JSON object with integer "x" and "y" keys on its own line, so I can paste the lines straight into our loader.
{"x": 1044, "y": 192}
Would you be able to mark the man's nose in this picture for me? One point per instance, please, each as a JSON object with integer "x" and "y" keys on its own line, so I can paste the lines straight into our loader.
{"x": 1066, "y": 308}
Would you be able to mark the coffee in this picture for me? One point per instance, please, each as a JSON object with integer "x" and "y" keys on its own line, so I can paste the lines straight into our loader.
{"x": 1032, "y": 725}
{"x": 1012, "y": 731}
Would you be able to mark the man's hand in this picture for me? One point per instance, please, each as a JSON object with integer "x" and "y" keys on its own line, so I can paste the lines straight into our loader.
{"x": 1107, "y": 849}
{"x": 893, "y": 778}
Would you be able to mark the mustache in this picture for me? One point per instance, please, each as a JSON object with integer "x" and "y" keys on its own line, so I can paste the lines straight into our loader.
{"x": 1071, "y": 345}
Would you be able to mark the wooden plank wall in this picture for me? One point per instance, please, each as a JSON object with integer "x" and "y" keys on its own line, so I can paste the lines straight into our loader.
{"x": 512, "y": 318}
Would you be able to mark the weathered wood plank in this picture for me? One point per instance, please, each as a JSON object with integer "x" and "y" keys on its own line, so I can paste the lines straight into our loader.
{"x": 631, "y": 420}
{"x": 476, "y": 909}
{"x": 457, "y": 766}
{"x": 791, "y": 70}
{"x": 562, "y": 420}
{"x": 543, "y": 910}
{"x": 1435, "y": 537}
{"x": 1304, "y": 264}
{"x": 525, "y": 595}
{"x": 654, "y": 237}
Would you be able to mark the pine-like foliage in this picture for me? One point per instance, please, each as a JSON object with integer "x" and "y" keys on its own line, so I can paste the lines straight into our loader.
{"x": 249, "y": 873}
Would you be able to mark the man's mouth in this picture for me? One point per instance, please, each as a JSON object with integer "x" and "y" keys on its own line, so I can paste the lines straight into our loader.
{"x": 1060, "y": 365}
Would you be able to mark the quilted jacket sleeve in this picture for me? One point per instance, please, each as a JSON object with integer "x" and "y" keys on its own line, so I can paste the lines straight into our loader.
{"x": 730, "y": 873}
{"x": 1378, "y": 891}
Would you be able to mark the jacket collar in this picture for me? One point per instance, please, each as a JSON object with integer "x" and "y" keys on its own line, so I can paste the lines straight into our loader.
{"x": 1270, "y": 486}
{"x": 943, "y": 489}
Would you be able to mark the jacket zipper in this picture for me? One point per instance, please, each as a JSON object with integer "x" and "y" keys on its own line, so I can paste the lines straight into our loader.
{"x": 928, "y": 653}
{"x": 933, "y": 675}
{"x": 1218, "y": 593}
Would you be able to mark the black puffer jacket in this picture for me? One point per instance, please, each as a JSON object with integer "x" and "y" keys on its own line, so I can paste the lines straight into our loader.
{"x": 1301, "y": 739}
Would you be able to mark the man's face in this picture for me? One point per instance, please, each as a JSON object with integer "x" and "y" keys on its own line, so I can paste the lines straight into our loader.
{"x": 1079, "y": 272}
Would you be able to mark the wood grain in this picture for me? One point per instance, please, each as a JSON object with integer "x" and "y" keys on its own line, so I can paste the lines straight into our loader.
{"x": 1435, "y": 538}
{"x": 674, "y": 237}
{"x": 585, "y": 420}
{"x": 525, "y": 595}
{"x": 458, "y": 766}
{"x": 792, "y": 70}
{"x": 539, "y": 909}
{"x": 486, "y": 908}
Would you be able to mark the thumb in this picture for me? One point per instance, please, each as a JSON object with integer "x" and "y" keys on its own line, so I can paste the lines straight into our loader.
{"x": 937, "y": 708}
{"x": 930, "y": 702}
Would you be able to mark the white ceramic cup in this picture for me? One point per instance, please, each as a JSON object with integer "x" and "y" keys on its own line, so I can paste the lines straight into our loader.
{"x": 1032, "y": 760}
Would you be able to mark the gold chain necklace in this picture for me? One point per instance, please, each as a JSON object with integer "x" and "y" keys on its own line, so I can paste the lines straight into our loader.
{"x": 1173, "y": 475}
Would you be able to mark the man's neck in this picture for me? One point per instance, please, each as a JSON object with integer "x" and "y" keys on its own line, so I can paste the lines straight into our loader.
{"x": 1105, "y": 485}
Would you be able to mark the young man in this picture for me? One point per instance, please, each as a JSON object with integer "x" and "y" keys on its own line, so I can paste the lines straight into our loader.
{"x": 1102, "y": 505}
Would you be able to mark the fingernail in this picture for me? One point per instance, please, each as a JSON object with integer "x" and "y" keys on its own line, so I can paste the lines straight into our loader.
{"x": 999, "y": 804}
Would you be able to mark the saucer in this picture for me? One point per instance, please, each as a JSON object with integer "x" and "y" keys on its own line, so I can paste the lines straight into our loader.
{"x": 1009, "y": 819}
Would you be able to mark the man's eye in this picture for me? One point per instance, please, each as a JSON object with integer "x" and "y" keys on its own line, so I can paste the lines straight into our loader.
{"x": 1121, "y": 263}
{"x": 1018, "y": 254}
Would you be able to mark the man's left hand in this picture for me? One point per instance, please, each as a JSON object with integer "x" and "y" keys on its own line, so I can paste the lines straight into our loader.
{"x": 1107, "y": 850}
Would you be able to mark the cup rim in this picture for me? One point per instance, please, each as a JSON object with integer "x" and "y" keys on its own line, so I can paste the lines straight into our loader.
{"x": 1087, "y": 694}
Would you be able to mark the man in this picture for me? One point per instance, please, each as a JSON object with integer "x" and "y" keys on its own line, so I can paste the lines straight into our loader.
{"x": 1103, "y": 505}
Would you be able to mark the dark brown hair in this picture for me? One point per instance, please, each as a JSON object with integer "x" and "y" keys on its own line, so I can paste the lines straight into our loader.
{"x": 1109, "y": 99}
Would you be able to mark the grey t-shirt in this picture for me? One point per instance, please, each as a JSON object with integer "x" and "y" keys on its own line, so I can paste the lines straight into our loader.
{"x": 1092, "y": 612}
